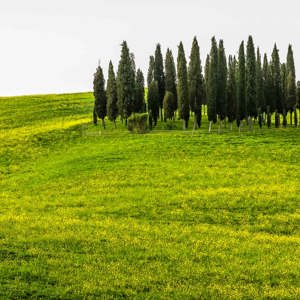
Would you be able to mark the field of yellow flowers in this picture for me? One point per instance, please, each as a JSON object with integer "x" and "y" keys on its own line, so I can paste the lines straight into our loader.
{"x": 90, "y": 213}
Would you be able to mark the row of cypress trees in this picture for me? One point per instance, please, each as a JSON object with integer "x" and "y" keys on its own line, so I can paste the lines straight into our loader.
{"x": 234, "y": 89}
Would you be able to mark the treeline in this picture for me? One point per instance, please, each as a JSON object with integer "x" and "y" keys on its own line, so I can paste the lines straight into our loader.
{"x": 239, "y": 88}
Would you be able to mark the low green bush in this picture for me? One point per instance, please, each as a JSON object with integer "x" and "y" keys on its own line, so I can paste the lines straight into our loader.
{"x": 138, "y": 123}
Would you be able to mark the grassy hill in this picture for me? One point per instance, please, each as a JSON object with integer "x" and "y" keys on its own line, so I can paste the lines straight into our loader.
{"x": 89, "y": 213}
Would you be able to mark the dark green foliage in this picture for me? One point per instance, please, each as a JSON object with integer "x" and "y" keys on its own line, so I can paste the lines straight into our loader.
{"x": 95, "y": 121}
{"x": 206, "y": 75}
{"x": 170, "y": 77}
{"x": 153, "y": 103}
{"x": 150, "y": 76}
{"x": 298, "y": 93}
{"x": 284, "y": 85}
{"x": 269, "y": 117}
{"x": 138, "y": 123}
{"x": 231, "y": 90}
{"x": 291, "y": 80}
{"x": 182, "y": 87}
{"x": 125, "y": 82}
{"x": 222, "y": 81}
{"x": 241, "y": 86}
{"x": 260, "y": 99}
{"x": 212, "y": 83}
{"x": 99, "y": 94}
{"x": 111, "y": 93}
{"x": 139, "y": 99}
{"x": 168, "y": 106}
{"x": 159, "y": 76}
{"x": 251, "y": 80}
{"x": 195, "y": 83}
{"x": 268, "y": 86}
{"x": 276, "y": 76}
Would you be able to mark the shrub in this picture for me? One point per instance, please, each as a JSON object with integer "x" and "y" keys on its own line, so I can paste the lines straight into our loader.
{"x": 138, "y": 123}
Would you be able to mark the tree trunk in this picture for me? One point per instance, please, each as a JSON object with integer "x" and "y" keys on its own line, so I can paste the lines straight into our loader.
{"x": 161, "y": 114}
{"x": 230, "y": 126}
{"x": 277, "y": 120}
{"x": 291, "y": 118}
{"x": 296, "y": 118}
{"x": 209, "y": 128}
{"x": 95, "y": 118}
{"x": 196, "y": 121}
{"x": 115, "y": 124}
{"x": 220, "y": 126}
{"x": 250, "y": 123}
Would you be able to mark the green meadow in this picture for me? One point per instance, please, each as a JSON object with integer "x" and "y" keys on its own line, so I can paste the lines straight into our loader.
{"x": 88, "y": 213}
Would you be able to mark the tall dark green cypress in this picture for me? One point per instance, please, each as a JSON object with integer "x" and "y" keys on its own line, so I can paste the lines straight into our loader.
{"x": 297, "y": 103}
{"x": 231, "y": 90}
{"x": 150, "y": 75}
{"x": 182, "y": 87}
{"x": 159, "y": 75}
{"x": 291, "y": 82}
{"x": 111, "y": 93}
{"x": 268, "y": 90}
{"x": 153, "y": 103}
{"x": 100, "y": 95}
{"x": 195, "y": 84}
{"x": 170, "y": 77}
{"x": 260, "y": 99}
{"x": 205, "y": 79}
{"x": 125, "y": 83}
{"x": 222, "y": 81}
{"x": 284, "y": 85}
{"x": 276, "y": 76}
{"x": 139, "y": 99}
{"x": 212, "y": 84}
{"x": 241, "y": 86}
{"x": 251, "y": 82}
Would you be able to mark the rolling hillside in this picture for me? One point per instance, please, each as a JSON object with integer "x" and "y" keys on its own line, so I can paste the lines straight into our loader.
{"x": 90, "y": 213}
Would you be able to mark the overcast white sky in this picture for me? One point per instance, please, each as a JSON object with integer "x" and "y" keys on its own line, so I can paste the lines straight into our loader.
{"x": 52, "y": 46}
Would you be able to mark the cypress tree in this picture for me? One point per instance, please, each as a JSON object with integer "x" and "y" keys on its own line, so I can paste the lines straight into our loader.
{"x": 241, "y": 86}
{"x": 260, "y": 100}
{"x": 95, "y": 118}
{"x": 195, "y": 84}
{"x": 284, "y": 85}
{"x": 205, "y": 79}
{"x": 159, "y": 75}
{"x": 139, "y": 99}
{"x": 168, "y": 106}
{"x": 182, "y": 87}
{"x": 276, "y": 76}
{"x": 251, "y": 82}
{"x": 297, "y": 104}
{"x": 150, "y": 76}
{"x": 170, "y": 77}
{"x": 291, "y": 82}
{"x": 222, "y": 80}
{"x": 231, "y": 91}
{"x": 212, "y": 84}
{"x": 268, "y": 89}
{"x": 100, "y": 95}
{"x": 125, "y": 83}
{"x": 111, "y": 92}
{"x": 153, "y": 102}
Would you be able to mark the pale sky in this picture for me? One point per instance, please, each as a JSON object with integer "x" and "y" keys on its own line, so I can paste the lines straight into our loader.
{"x": 53, "y": 46}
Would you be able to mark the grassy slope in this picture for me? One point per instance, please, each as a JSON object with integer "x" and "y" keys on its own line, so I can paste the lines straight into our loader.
{"x": 170, "y": 214}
